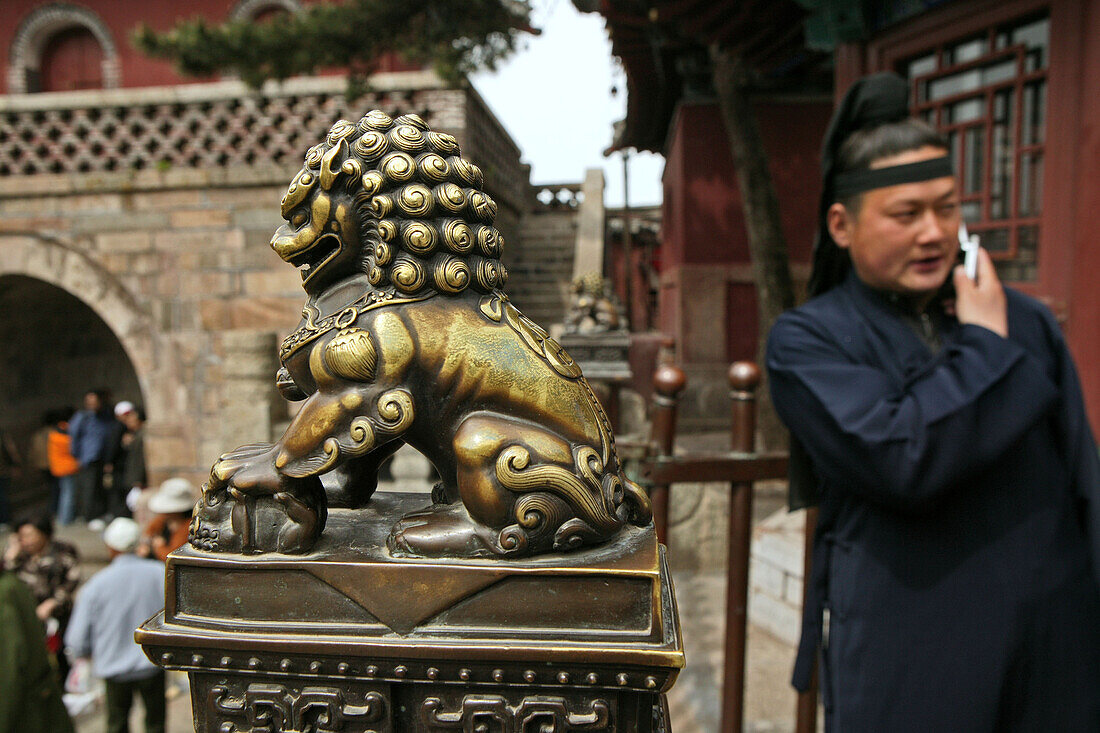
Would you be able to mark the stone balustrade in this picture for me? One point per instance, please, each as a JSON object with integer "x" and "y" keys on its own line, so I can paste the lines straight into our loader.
{"x": 558, "y": 195}
{"x": 221, "y": 124}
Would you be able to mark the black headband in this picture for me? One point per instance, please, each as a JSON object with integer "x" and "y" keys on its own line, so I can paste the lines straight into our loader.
{"x": 850, "y": 183}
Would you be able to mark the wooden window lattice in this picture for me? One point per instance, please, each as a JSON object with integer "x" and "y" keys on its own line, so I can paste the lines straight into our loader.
{"x": 987, "y": 92}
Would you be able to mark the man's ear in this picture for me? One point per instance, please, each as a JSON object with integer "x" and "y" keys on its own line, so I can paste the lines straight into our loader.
{"x": 840, "y": 223}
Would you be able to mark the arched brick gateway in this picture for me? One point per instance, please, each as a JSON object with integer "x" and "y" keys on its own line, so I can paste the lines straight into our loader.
{"x": 70, "y": 269}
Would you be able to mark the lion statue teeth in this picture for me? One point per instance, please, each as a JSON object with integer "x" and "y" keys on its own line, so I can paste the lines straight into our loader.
{"x": 408, "y": 337}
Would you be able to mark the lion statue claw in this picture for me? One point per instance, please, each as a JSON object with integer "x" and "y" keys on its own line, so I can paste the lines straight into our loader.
{"x": 408, "y": 337}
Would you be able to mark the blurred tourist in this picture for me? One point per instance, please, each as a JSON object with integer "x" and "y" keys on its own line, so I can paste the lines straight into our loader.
{"x": 112, "y": 604}
{"x": 51, "y": 569}
{"x": 38, "y": 457}
{"x": 133, "y": 480}
{"x": 116, "y": 486}
{"x": 9, "y": 467}
{"x": 63, "y": 467}
{"x": 30, "y": 694}
{"x": 172, "y": 505}
{"x": 90, "y": 431}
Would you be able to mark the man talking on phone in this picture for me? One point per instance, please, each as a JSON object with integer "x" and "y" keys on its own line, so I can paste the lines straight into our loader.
{"x": 938, "y": 423}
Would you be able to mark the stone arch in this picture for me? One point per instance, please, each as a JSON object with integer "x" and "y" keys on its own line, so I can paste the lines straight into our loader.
{"x": 43, "y": 22}
{"x": 66, "y": 267}
{"x": 248, "y": 9}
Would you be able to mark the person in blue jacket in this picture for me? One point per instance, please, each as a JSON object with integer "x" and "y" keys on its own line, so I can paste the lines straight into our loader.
{"x": 938, "y": 423}
{"x": 90, "y": 432}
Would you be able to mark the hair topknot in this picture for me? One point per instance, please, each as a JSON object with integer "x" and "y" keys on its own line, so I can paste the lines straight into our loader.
{"x": 427, "y": 224}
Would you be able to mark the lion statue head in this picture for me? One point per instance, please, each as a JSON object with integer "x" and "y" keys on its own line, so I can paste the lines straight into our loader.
{"x": 390, "y": 198}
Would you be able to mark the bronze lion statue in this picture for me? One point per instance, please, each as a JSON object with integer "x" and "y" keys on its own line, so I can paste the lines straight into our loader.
{"x": 407, "y": 337}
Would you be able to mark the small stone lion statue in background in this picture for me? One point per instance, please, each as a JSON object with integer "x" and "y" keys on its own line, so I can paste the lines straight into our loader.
{"x": 593, "y": 308}
{"x": 408, "y": 337}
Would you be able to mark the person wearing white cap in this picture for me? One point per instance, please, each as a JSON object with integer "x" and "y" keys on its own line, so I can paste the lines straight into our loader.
{"x": 117, "y": 468}
{"x": 110, "y": 606}
{"x": 132, "y": 478}
{"x": 172, "y": 505}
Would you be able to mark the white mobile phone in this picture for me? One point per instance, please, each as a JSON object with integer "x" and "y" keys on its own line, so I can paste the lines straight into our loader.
{"x": 969, "y": 245}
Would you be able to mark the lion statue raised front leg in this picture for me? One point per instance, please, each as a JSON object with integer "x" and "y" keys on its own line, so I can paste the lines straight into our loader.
{"x": 242, "y": 477}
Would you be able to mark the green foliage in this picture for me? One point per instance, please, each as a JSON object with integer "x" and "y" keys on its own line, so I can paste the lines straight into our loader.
{"x": 455, "y": 37}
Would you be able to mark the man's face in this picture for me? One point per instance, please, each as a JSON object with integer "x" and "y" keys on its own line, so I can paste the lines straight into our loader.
{"x": 904, "y": 238}
{"x": 131, "y": 420}
{"x": 91, "y": 402}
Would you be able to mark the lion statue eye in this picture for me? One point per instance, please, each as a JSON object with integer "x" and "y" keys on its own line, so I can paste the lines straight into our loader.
{"x": 298, "y": 219}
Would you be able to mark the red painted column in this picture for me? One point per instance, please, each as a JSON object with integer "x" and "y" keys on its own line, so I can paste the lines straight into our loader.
{"x": 1083, "y": 326}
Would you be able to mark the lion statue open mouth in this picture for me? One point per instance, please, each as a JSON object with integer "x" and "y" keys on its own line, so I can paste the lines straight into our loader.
{"x": 408, "y": 337}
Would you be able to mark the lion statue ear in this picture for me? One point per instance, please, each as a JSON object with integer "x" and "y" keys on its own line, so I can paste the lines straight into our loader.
{"x": 328, "y": 171}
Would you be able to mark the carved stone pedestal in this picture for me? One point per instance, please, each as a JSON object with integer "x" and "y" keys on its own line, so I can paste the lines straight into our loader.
{"x": 349, "y": 638}
{"x": 601, "y": 356}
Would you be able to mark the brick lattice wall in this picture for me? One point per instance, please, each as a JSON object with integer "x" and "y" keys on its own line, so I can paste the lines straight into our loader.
{"x": 209, "y": 126}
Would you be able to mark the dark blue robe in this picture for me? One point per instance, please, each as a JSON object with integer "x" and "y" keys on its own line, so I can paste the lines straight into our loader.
{"x": 958, "y": 541}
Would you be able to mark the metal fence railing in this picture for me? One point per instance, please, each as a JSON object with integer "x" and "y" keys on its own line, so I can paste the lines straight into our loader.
{"x": 741, "y": 467}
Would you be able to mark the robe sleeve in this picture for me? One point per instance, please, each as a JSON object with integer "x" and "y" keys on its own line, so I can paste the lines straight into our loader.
{"x": 1083, "y": 459}
{"x": 904, "y": 446}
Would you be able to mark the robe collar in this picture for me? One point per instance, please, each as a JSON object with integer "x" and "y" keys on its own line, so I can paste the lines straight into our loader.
{"x": 897, "y": 321}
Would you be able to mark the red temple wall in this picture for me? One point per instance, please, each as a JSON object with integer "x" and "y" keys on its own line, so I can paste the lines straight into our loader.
{"x": 703, "y": 225}
{"x": 1083, "y": 324}
{"x": 121, "y": 19}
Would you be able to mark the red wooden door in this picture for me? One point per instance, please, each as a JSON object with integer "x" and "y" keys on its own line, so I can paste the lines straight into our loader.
{"x": 71, "y": 59}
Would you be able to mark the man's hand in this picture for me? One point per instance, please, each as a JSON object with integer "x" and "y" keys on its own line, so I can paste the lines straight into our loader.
{"x": 981, "y": 303}
{"x": 11, "y": 552}
{"x": 46, "y": 608}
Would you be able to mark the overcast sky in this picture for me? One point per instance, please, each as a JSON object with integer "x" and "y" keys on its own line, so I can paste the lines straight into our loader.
{"x": 554, "y": 98}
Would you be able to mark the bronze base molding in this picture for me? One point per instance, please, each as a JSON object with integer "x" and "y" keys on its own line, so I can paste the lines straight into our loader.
{"x": 349, "y": 638}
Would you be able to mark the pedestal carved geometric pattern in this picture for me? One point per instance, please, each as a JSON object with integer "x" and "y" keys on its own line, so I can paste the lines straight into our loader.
{"x": 493, "y": 714}
{"x": 388, "y": 593}
{"x": 275, "y": 708}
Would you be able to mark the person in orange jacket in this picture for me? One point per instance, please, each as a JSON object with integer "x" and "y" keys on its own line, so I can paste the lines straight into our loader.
{"x": 63, "y": 467}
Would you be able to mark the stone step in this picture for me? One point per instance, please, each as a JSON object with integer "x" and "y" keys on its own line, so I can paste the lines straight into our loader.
{"x": 775, "y": 574}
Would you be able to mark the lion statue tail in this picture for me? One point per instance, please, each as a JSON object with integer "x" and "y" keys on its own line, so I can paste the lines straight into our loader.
{"x": 567, "y": 508}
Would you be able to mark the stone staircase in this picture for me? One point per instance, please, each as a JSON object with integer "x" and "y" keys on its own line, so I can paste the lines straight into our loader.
{"x": 540, "y": 270}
